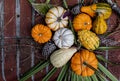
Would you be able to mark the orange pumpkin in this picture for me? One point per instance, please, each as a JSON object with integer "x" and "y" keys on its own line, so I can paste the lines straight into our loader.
{"x": 82, "y": 21}
{"x": 78, "y": 60}
{"x": 41, "y": 33}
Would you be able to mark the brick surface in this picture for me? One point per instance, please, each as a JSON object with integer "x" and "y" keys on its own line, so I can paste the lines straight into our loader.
{"x": 10, "y": 59}
{"x": 27, "y": 44}
{"x": 9, "y": 18}
{"x": 25, "y": 18}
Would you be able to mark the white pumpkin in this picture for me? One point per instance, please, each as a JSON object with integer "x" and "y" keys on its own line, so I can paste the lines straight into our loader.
{"x": 62, "y": 56}
{"x": 63, "y": 38}
{"x": 54, "y": 18}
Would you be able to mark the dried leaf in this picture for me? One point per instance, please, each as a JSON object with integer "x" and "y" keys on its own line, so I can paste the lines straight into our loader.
{"x": 41, "y": 8}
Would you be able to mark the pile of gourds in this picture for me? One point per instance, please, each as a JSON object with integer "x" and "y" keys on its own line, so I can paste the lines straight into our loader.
{"x": 59, "y": 38}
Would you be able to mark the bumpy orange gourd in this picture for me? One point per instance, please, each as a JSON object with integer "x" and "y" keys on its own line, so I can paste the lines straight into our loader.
{"x": 78, "y": 60}
{"x": 41, "y": 33}
{"x": 82, "y": 21}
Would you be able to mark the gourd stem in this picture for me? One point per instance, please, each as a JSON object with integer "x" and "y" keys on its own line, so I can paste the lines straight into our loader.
{"x": 91, "y": 67}
{"x": 47, "y": 1}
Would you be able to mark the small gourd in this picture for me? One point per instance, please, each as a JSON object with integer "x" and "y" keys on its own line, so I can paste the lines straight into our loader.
{"x": 78, "y": 60}
{"x": 82, "y": 21}
{"x": 54, "y": 18}
{"x": 99, "y": 25}
{"x": 48, "y": 48}
{"x": 100, "y": 8}
{"x": 41, "y": 33}
{"x": 62, "y": 56}
{"x": 63, "y": 38}
{"x": 88, "y": 39}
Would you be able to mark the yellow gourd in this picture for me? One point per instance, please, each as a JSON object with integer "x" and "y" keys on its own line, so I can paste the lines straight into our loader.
{"x": 99, "y": 25}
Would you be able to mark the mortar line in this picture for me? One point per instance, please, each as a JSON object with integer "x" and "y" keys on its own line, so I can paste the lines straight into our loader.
{"x": 106, "y": 52}
{"x": 2, "y": 39}
{"x": 32, "y": 48}
{"x": 17, "y": 38}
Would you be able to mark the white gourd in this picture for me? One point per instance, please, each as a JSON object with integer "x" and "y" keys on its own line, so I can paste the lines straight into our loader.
{"x": 63, "y": 38}
{"x": 54, "y": 18}
{"x": 62, "y": 56}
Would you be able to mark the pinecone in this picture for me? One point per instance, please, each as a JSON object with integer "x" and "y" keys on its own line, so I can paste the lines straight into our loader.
{"x": 48, "y": 48}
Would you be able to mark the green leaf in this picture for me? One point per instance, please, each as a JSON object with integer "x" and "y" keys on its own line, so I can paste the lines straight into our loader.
{"x": 34, "y": 70}
{"x": 35, "y": 67}
{"x": 72, "y": 76}
{"x": 94, "y": 78}
{"x": 65, "y": 4}
{"x": 46, "y": 78}
{"x": 41, "y": 8}
{"x": 106, "y": 72}
{"x": 75, "y": 39}
{"x": 77, "y": 78}
{"x": 100, "y": 57}
{"x": 47, "y": 1}
{"x": 101, "y": 77}
{"x": 66, "y": 77}
{"x": 86, "y": 78}
{"x": 80, "y": 78}
{"x": 89, "y": 78}
{"x": 62, "y": 73}
{"x": 108, "y": 48}
{"x": 31, "y": 1}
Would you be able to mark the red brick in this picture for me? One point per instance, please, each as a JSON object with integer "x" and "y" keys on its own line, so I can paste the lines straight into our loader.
{"x": 10, "y": 59}
{"x": 9, "y": 17}
{"x": 25, "y": 18}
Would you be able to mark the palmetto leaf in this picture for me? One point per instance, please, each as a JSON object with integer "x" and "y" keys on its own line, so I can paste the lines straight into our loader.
{"x": 46, "y": 78}
{"x": 108, "y": 48}
{"x": 63, "y": 72}
{"x": 41, "y": 8}
{"x": 101, "y": 58}
{"x": 106, "y": 72}
{"x": 94, "y": 78}
{"x": 34, "y": 70}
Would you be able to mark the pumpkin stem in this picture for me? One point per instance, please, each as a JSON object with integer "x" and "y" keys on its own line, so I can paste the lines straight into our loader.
{"x": 85, "y": 63}
{"x": 86, "y": 23}
{"x": 40, "y": 34}
{"x": 59, "y": 19}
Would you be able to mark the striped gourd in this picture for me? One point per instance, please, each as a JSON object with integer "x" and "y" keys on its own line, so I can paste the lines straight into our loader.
{"x": 54, "y": 18}
{"x": 99, "y": 25}
{"x": 62, "y": 56}
{"x": 88, "y": 39}
{"x": 101, "y": 8}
